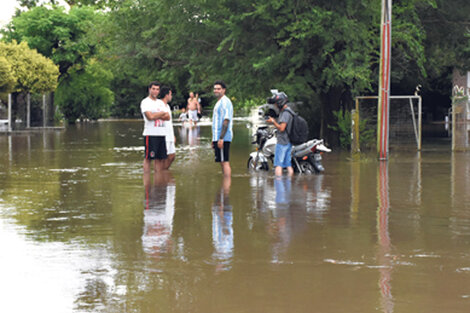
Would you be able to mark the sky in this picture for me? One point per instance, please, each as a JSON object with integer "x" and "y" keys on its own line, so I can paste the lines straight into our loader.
{"x": 7, "y": 10}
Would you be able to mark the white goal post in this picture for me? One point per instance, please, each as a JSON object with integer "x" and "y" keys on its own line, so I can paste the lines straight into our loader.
{"x": 405, "y": 121}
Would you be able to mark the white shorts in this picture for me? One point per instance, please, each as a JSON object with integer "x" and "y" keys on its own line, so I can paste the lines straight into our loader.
{"x": 193, "y": 115}
{"x": 170, "y": 147}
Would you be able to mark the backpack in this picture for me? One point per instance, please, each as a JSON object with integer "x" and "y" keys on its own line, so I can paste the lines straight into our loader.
{"x": 298, "y": 130}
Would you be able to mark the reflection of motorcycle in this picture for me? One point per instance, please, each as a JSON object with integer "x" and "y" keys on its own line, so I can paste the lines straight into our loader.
{"x": 306, "y": 157}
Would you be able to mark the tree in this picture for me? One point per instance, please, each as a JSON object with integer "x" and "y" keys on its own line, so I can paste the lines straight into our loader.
{"x": 447, "y": 42}
{"x": 33, "y": 72}
{"x": 56, "y": 34}
{"x": 316, "y": 51}
{"x": 98, "y": 3}
{"x": 85, "y": 94}
{"x": 7, "y": 79}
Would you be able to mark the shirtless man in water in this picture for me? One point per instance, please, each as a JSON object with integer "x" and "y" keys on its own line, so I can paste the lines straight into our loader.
{"x": 193, "y": 107}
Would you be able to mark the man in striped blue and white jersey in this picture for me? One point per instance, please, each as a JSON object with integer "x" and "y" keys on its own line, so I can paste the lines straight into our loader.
{"x": 222, "y": 120}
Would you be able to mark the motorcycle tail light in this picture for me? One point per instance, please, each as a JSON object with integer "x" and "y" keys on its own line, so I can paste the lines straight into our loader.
{"x": 305, "y": 158}
{"x": 314, "y": 148}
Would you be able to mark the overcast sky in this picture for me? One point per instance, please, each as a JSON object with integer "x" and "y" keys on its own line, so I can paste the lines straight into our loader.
{"x": 7, "y": 9}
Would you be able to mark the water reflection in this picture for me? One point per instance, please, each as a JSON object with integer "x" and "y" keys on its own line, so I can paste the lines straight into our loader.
{"x": 287, "y": 205}
{"x": 189, "y": 135}
{"x": 355, "y": 189}
{"x": 384, "y": 243}
{"x": 317, "y": 196}
{"x": 416, "y": 188}
{"x": 80, "y": 234}
{"x": 460, "y": 185}
{"x": 283, "y": 186}
{"x": 280, "y": 225}
{"x": 222, "y": 226}
{"x": 158, "y": 213}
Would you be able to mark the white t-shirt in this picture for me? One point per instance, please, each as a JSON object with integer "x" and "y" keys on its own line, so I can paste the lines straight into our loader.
{"x": 170, "y": 134}
{"x": 155, "y": 127}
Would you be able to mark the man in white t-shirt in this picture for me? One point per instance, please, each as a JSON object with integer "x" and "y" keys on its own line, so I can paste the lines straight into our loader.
{"x": 154, "y": 129}
{"x": 164, "y": 97}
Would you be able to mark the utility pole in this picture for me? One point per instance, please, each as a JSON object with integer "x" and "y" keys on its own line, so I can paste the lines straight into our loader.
{"x": 384, "y": 80}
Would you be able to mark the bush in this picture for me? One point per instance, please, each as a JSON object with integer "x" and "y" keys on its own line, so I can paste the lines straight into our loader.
{"x": 343, "y": 127}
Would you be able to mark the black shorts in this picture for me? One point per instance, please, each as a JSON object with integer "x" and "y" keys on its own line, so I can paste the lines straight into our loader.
{"x": 155, "y": 147}
{"x": 221, "y": 155}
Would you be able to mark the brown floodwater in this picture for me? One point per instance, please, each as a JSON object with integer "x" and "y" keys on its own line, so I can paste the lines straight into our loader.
{"x": 81, "y": 229}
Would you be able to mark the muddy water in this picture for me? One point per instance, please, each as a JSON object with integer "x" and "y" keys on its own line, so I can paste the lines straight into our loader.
{"x": 81, "y": 230}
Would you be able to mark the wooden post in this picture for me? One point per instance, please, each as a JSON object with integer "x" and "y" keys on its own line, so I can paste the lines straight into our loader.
{"x": 355, "y": 146}
{"x": 419, "y": 122}
{"x": 9, "y": 112}
{"x": 44, "y": 111}
{"x": 28, "y": 111}
{"x": 454, "y": 120}
{"x": 384, "y": 80}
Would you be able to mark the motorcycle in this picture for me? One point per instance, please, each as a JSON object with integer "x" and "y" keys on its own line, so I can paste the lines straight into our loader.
{"x": 306, "y": 157}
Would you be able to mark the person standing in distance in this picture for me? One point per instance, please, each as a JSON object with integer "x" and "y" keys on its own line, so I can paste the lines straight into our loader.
{"x": 164, "y": 97}
{"x": 222, "y": 135}
{"x": 154, "y": 129}
{"x": 282, "y": 155}
{"x": 193, "y": 108}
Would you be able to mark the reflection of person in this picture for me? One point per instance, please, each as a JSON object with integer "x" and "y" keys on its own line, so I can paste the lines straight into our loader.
{"x": 154, "y": 130}
{"x": 222, "y": 127}
{"x": 158, "y": 213}
{"x": 282, "y": 155}
{"x": 165, "y": 97}
{"x": 193, "y": 107}
{"x": 283, "y": 190}
{"x": 193, "y": 136}
{"x": 281, "y": 225}
{"x": 222, "y": 229}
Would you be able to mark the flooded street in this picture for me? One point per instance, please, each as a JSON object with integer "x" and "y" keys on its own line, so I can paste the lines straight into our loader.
{"x": 82, "y": 230}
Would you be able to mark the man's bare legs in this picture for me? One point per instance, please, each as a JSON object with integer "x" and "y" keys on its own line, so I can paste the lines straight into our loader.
{"x": 226, "y": 169}
{"x": 278, "y": 171}
{"x": 169, "y": 160}
{"x": 158, "y": 165}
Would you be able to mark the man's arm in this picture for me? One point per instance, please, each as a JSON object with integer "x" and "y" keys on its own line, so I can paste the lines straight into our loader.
{"x": 224, "y": 129}
{"x": 152, "y": 116}
{"x": 220, "y": 142}
{"x": 280, "y": 126}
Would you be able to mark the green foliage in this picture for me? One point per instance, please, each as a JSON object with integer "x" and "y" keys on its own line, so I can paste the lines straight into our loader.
{"x": 97, "y": 3}
{"x": 244, "y": 106}
{"x": 447, "y": 43}
{"x": 32, "y": 71}
{"x": 344, "y": 129}
{"x": 55, "y": 33}
{"x": 316, "y": 51}
{"x": 367, "y": 134}
{"x": 7, "y": 79}
{"x": 85, "y": 94}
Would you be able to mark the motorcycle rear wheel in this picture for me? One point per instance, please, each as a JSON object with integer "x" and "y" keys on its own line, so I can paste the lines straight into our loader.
{"x": 257, "y": 166}
{"x": 306, "y": 167}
